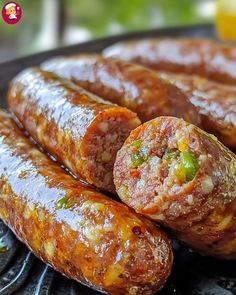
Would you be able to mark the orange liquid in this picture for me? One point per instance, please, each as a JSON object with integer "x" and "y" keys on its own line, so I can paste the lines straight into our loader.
{"x": 226, "y": 25}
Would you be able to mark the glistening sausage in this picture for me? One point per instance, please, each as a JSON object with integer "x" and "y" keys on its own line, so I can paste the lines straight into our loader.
{"x": 184, "y": 178}
{"x": 192, "y": 56}
{"x": 215, "y": 103}
{"x": 77, "y": 230}
{"x": 81, "y": 130}
{"x": 132, "y": 86}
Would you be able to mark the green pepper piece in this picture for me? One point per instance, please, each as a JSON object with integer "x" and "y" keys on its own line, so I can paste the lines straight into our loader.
{"x": 60, "y": 203}
{"x": 64, "y": 203}
{"x": 190, "y": 164}
{"x": 137, "y": 159}
{"x": 180, "y": 173}
{"x": 169, "y": 155}
{"x": 136, "y": 143}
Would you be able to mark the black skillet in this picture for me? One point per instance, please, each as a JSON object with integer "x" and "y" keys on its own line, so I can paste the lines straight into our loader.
{"x": 22, "y": 273}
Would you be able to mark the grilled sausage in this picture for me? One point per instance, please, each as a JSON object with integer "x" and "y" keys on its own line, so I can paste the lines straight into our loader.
{"x": 192, "y": 56}
{"x": 184, "y": 178}
{"x": 78, "y": 128}
{"x": 129, "y": 85}
{"x": 77, "y": 230}
{"x": 215, "y": 102}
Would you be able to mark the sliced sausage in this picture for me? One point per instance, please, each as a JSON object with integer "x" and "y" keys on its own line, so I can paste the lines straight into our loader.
{"x": 81, "y": 130}
{"x": 184, "y": 178}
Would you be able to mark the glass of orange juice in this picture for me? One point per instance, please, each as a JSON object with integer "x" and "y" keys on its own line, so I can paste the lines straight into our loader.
{"x": 226, "y": 19}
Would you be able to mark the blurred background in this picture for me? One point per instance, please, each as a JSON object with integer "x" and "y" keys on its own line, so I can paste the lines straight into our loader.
{"x": 47, "y": 24}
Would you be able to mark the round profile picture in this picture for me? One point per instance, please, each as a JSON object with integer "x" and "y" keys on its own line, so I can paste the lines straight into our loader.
{"x": 11, "y": 13}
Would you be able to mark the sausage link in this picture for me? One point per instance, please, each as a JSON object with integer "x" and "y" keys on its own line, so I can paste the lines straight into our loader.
{"x": 215, "y": 102}
{"x": 77, "y": 230}
{"x": 132, "y": 86}
{"x": 184, "y": 178}
{"x": 78, "y": 128}
{"x": 192, "y": 56}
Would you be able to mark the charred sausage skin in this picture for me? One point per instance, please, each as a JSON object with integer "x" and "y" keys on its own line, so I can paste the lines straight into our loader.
{"x": 77, "y": 230}
{"x": 184, "y": 178}
{"x": 215, "y": 102}
{"x": 78, "y": 128}
{"x": 132, "y": 86}
{"x": 192, "y": 56}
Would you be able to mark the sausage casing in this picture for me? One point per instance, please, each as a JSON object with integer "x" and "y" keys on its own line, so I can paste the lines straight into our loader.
{"x": 132, "y": 86}
{"x": 192, "y": 56}
{"x": 78, "y": 128}
{"x": 77, "y": 230}
{"x": 215, "y": 102}
{"x": 184, "y": 178}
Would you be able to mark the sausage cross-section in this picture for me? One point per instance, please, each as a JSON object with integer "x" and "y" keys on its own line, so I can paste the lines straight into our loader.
{"x": 135, "y": 87}
{"x": 80, "y": 129}
{"x": 184, "y": 178}
{"x": 77, "y": 230}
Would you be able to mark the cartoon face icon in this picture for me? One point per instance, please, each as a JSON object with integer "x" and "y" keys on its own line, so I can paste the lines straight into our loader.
{"x": 11, "y": 10}
{"x": 11, "y": 13}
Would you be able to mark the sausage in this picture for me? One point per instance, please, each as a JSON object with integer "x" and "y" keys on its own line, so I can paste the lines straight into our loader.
{"x": 132, "y": 86}
{"x": 149, "y": 96}
{"x": 183, "y": 178}
{"x": 77, "y": 230}
{"x": 192, "y": 56}
{"x": 81, "y": 130}
{"x": 215, "y": 102}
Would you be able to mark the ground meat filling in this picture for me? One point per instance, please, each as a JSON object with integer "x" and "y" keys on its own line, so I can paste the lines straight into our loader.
{"x": 160, "y": 167}
{"x": 103, "y": 143}
{"x": 177, "y": 174}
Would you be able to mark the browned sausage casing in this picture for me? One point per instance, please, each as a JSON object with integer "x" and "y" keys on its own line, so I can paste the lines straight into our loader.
{"x": 77, "y": 230}
{"x": 193, "y": 56}
{"x": 129, "y": 85}
{"x": 81, "y": 130}
{"x": 215, "y": 102}
{"x": 184, "y": 178}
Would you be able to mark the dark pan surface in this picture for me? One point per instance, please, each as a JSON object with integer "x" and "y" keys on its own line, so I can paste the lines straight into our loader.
{"x": 23, "y": 274}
